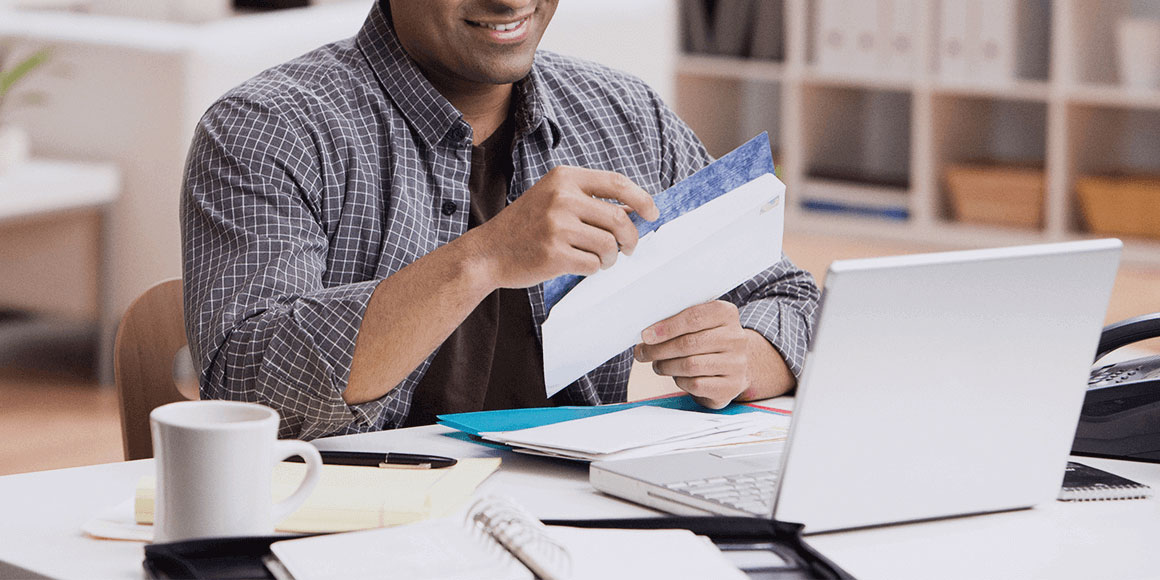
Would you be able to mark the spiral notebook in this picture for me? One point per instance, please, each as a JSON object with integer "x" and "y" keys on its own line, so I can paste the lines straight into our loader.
{"x": 497, "y": 539}
{"x": 1085, "y": 483}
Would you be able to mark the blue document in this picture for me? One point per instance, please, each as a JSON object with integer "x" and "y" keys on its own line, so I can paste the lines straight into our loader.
{"x": 515, "y": 419}
{"x": 742, "y": 165}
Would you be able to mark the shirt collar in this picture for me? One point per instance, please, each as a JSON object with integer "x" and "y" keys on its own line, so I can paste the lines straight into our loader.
{"x": 425, "y": 109}
{"x": 534, "y": 109}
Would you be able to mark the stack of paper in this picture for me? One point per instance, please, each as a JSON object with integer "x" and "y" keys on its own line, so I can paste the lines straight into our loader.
{"x": 642, "y": 431}
{"x": 476, "y": 422}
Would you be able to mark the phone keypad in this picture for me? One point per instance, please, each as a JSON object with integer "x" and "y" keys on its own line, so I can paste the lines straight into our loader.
{"x": 1118, "y": 373}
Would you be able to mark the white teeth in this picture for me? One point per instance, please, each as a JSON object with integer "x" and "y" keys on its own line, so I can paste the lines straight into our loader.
{"x": 503, "y": 27}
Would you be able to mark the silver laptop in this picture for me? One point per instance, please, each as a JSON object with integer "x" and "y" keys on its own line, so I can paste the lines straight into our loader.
{"x": 935, "y": 385}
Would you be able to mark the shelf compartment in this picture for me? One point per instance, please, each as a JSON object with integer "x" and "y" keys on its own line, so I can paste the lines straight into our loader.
{"x": 731, "y": 28}
{"x": 1094, "y": 28}
{"x": 874, "y": 41}
{"x": 982, "y": 141}
{"x": 725, "y": 113}
{"x": 1121, "y": 205}
{"x": 992, "y": 42}
{"x": 1110, "y": 141}
{"x": 858, "y": 136}
{"x": 1106, "y": 140}
{"x": 997, "y": 195}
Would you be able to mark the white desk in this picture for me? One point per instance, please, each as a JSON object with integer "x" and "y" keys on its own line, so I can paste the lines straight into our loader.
{"x": 43, "y": 512}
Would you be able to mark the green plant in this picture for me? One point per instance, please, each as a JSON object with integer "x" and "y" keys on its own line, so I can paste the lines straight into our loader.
{"x": 10, "y": 76}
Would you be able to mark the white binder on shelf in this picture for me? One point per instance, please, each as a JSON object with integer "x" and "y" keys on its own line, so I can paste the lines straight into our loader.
{"x": 847, "y": 38}
{"x": 833, "y": 39}
{"x": 954, "y": 39}
{"x": 991, "y": 57}
{"x": 898, "y": 49}
{"x": 862, "y": 19}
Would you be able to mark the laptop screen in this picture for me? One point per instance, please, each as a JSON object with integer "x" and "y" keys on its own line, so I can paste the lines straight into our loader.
{"x": 944, "y": 384}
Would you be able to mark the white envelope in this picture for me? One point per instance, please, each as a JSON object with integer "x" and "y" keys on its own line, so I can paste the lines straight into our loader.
{"x": 693, "y": 259}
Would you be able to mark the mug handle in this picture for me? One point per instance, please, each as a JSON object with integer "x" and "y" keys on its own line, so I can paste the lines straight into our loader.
{"x": 284, "y": 449}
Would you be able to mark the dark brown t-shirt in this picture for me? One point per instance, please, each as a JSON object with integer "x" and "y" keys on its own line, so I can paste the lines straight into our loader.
{"x": 493, "y": 360}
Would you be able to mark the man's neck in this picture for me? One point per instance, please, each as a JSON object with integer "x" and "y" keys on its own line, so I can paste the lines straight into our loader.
{"x": 484, "y": 107}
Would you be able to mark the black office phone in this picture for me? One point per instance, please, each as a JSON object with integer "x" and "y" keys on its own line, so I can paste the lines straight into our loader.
{"x": 1121, "y": 411}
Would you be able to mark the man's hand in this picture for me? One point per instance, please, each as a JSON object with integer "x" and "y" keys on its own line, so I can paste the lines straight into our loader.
{"x": 709, "y": 355}
{"x": 560, "y": 227}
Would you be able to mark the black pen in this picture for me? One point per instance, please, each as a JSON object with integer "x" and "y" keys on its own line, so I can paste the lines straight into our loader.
{"x": 403, "y": 460}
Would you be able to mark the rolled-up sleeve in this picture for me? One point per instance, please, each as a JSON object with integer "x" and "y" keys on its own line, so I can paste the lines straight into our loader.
{"x": 780, "y": 304}
{"x": 262, "y": 327}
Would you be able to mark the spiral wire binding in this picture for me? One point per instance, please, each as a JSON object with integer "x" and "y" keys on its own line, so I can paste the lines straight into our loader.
{"x": 1104, "y": 492}
{"x": 521, "y": 535}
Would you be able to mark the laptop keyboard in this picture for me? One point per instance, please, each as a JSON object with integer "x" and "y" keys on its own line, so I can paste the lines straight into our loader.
{"x": 750, "y": 492}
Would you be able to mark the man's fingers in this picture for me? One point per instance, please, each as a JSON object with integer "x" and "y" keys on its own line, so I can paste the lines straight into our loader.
{"x": 611, "y": 218}
{"x": 698, "y": 365}
{"x": 581, "y": 262}
{"x": 692, "y": 319}
{"x": 612, "y": 185}
{"x": 719, "y": 339}
{"x": 711, "y": 392}
{"x": 598, "y": 242}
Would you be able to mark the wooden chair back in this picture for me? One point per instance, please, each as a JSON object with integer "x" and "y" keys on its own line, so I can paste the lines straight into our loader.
{"x": 151, "y": 334}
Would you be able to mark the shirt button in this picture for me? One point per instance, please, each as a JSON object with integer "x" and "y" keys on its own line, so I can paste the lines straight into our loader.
{"x": 449, "y": 207}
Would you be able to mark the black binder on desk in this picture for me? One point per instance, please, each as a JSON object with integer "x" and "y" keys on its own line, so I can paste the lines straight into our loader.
{"x": 740, "y": 534}
{"x": 245, "y": 558}
{"x": 216, "y": 558}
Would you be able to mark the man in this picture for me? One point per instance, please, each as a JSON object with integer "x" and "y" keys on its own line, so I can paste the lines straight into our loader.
{"x": 366, "y": 229}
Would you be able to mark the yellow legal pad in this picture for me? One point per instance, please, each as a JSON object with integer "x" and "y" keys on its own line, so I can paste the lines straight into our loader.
{"x": 358, "y": 498}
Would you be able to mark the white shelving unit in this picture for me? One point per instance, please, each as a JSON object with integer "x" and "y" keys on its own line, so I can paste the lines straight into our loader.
{"x": 1065, "y": 112}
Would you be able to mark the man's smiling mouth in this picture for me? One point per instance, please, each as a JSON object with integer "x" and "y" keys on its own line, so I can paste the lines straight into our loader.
{"x": 504, "y": 27}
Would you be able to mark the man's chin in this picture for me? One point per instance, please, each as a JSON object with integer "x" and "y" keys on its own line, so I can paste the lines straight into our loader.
{"x": 510, "y": 79}
{"x": 503, "y": 73}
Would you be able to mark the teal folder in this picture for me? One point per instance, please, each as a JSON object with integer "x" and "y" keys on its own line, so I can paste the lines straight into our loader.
{"x": 515, "y": 419}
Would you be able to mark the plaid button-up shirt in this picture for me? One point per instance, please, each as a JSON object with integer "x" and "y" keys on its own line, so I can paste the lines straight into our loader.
{"x": 315, "y": 180}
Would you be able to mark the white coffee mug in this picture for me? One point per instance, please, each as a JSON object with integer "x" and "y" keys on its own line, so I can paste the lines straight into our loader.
{"x": 215, "y": 462}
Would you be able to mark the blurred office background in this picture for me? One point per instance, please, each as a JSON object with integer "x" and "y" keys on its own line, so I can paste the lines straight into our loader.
{"x": 899, "y": 126}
